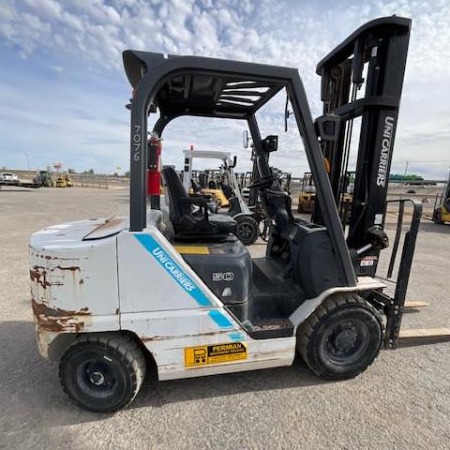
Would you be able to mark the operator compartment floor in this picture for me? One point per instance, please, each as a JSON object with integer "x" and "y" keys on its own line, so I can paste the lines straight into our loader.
{"x": 274, "y": 296}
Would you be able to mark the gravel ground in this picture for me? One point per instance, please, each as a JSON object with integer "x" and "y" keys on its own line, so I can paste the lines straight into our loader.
{"x": 402, "y": 401}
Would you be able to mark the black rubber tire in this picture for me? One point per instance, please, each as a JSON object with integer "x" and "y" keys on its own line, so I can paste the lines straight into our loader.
{"x": 341, "y": 338}
{"x": 102, "y": 372}
{"x": 437, "y": 216}
{"x": 247, "y": 229}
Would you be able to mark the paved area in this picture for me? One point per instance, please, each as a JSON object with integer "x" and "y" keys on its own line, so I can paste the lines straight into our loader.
{"x": 401, "y": 402}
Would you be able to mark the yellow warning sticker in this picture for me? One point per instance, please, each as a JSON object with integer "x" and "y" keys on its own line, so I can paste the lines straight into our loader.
{"x": 192, "y": 249}
{"x": 213, "y": 354}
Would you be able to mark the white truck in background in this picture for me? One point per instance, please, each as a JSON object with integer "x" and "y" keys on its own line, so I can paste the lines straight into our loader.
{"x": 8, "y": 178}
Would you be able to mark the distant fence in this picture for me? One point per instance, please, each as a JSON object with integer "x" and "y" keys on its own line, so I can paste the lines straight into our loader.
{"x": 99, "y": 181}
{"x": 424, "y": 189}
{"x": 80, "y": 179}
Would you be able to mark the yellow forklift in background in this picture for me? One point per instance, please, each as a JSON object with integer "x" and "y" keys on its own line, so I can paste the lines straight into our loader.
{"x": 441, "y": 213}
{"x": 64, "y": 180}
{"x": 307, "y": 195}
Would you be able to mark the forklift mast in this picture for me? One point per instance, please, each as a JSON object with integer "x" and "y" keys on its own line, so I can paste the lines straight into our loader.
{"x": 372, "y": 60}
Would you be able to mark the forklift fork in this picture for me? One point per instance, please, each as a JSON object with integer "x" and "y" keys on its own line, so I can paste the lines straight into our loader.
{"x": 394, "y": 307}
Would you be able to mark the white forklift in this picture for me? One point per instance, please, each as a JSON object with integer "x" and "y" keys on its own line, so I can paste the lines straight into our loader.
{"x": 111, "y": 296}
{"x": 247, "y": 225}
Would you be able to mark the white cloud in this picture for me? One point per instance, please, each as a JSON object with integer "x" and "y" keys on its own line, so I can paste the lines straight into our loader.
{"x": 48, "y": 9}
{"x": 89, "y": 36}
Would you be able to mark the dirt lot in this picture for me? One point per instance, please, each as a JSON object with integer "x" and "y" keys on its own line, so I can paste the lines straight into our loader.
{"x": 402, "y": 401}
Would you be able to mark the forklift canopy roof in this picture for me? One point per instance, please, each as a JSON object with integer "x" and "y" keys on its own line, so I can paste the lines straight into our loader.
{"x": 208, "y": 93}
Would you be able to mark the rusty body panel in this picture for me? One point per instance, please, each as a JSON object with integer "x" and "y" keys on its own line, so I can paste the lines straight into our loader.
{"x": 73, "y": 283}
{"x": 58, "y": 320}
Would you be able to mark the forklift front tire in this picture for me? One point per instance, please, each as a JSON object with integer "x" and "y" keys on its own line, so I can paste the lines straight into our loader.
{"x": 102, "y": 373}
{"x": 341, "y": 338}
{"x": 437, "y": 216}
{"x": 247, "y": 229}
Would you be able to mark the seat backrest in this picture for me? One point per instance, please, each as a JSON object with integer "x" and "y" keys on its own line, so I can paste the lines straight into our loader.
{"x": 176, "y": 192}
{"x": 195, "y": 186}
{"x": 278, "y": 205}
{"x": 235, "y": 207}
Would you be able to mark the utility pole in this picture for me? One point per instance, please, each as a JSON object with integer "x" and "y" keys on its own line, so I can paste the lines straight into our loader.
{"x": 28, "y": 160}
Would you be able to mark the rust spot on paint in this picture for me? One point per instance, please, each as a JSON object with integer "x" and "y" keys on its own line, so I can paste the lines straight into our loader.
{"x": 81, "y": 281}
{"x": 39, "y": 275}
{"x": 117, "y": 311}
{"x": 184, "y": 336}
{"x": 42, "y": 309}
{"x": 49, "y": 258}
{"x": 71, "y": 268}
{"x": 58, "y": 320}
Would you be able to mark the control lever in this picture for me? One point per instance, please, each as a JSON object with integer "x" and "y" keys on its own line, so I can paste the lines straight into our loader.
{"x": 378, "y": 239}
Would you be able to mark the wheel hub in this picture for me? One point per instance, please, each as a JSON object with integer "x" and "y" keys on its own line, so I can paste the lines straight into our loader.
{"x": 346, "y": 340}
{"x": 97, "y": 378}
{"x": 245, "y": 231}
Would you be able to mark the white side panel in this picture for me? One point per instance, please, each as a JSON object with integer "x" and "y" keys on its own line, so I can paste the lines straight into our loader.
{"x": 170, "y": 309}
{"x": 154, "y": 277}
{"x": 168, "y": 335}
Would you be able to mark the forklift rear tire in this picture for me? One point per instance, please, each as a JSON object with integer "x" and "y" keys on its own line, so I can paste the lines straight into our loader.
{"x": 247, "y": 229}
{"x": 102, "y": 373}
{"x": 437, "y": 216}
{"x": 341, "y": 338}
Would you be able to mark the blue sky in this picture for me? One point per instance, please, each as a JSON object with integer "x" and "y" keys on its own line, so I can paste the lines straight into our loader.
{"x": 63, "y": 88}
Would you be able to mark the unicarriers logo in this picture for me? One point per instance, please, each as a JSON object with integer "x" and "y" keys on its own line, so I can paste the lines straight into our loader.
{"x": 385, "y": 150}
{"x": 173, "y": 269}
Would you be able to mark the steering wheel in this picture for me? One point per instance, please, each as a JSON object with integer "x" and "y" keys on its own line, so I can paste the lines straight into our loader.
{"x": 263, "y": 183}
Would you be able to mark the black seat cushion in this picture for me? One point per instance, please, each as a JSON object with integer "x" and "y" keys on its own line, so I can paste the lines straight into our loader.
{"x": 189, "y": 215}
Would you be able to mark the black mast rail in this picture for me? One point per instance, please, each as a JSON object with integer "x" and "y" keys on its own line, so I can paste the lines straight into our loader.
{"x": 374, "y": 56}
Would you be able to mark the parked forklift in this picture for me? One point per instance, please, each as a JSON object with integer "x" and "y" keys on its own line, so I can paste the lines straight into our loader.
{"x": 441, "y": 212}
{"x": 111, "y": 296}
{"x": 307, "y": 194}
{"x": 344, "y": 197}
{"x": 207, "y": 183}
{"x": 247, "y": 225}
{"x": 63, "y": 180}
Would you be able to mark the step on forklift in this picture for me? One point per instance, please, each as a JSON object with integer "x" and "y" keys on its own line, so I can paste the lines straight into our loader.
{"x": 110, "y": 296}
{"x": 247, "y": 225}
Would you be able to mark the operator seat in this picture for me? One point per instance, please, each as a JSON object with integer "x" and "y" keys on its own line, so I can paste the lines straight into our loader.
{"x": 189, "y": 222}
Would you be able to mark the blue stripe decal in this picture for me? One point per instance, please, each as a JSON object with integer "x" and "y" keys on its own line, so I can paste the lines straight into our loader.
{"x": 220, "y": 319}
{"x": 236, "y": 336}
{"x": 173, "y": 269}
